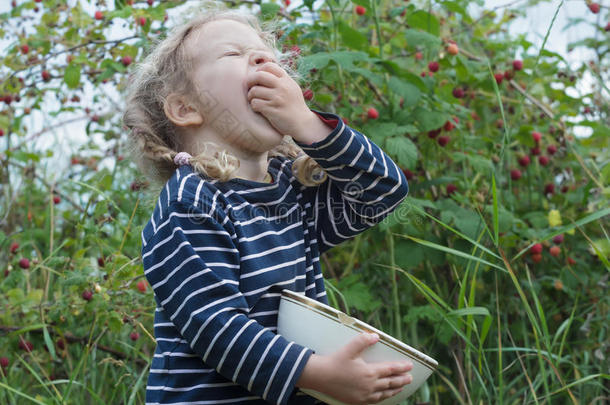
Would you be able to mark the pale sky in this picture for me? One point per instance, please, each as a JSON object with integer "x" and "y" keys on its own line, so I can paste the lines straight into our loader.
{"x": 536, "y": 23}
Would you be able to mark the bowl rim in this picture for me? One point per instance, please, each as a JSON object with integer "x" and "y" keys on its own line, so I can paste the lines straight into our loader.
{"x": 356, "y": 324}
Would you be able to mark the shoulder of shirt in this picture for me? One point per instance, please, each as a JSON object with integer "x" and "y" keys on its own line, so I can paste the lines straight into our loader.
{"x": 187, "y": 190}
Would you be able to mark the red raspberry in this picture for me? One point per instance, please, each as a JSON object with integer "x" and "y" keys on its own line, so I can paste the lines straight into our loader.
{"x": 537, "y": 136}
{"x": 524, "y": 160}
{"x": 443, "y": 140}
{"x": 372, "y": 113}
{"x": 536, "y": 248}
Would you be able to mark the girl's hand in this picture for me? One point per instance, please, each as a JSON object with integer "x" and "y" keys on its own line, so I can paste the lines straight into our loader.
{"x": 345, "y": 376}
{"x": 275, "y": 95}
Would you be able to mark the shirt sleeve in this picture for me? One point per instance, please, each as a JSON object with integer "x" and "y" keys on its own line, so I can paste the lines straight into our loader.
{"x": 364, "y": 184}
{"x": 193, "y": 266}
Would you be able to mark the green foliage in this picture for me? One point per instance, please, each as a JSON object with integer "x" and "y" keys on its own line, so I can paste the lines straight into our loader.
{"x": 450, "y": 273}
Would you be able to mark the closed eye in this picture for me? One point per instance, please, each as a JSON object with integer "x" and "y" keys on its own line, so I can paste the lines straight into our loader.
{"x": 232, "y": 54}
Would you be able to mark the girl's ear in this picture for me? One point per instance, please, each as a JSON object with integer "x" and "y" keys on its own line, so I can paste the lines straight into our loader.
{"x": 181, "y": 112}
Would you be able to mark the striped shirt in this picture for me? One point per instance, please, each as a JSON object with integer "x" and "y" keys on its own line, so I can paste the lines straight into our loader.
{"x": 218, "y": 255}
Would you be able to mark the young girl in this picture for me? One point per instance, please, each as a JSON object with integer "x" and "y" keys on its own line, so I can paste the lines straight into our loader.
{"x": 252, "y": 186}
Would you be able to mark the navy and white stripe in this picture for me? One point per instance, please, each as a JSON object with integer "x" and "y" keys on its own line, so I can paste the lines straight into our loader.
{"x": 218, "y": 255}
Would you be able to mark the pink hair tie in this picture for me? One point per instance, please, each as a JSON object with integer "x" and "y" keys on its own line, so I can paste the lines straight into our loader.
{"x": 182, "y": 158}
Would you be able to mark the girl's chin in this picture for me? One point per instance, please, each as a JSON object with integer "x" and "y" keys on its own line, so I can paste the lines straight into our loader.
{"x": 263, "y": 126}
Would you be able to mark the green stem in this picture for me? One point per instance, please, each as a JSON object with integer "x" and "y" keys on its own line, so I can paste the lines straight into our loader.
{"x": 500, "y": 379}
{"x": 352, "y": 256}
{"x": 529, "y": 187}
{"x": 396, "y": 302}
{"x": 335, "y": 45}
{"x": 377, "y": 29}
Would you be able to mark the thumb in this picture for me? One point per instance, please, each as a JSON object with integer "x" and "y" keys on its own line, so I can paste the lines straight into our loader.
{"x": 358, "y": 344}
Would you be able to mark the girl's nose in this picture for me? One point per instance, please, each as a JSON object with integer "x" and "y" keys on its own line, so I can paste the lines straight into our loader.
{"x": 258, "y": 58}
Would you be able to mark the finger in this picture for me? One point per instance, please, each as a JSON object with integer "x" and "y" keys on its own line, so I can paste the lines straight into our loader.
{"x": 258, "y": 104}
{"x": 261, "y": 92}
{"x": 358, "y": 344}
{"x": 272, "y": 68}
{"x": 387, "y": 394}
{"x": 388, "y": 369}
{"x": 262, "y": 78}
{"x": 392, "y": 383}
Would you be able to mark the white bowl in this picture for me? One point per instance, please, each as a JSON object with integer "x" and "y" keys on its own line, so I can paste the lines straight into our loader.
{"x": 325, "y": 330}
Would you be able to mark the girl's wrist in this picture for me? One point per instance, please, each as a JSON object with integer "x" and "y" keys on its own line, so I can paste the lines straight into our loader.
{"x": 312, "y": 130}
{"x": 314, "y": 373}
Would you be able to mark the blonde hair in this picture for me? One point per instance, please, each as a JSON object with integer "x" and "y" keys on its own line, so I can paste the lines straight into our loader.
{"x": 153, "y": 142}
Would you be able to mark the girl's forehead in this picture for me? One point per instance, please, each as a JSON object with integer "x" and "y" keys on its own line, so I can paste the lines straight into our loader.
{"x": 220, "y": 30}
{"x": 219, "y": 33}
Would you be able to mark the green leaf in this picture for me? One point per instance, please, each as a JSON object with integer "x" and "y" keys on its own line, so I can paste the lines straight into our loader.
{"x": 50, "y": 19}
{"x": 408, "y": 254}
{"x": 48, "y": 342}
{"x": 124, "y": 12}
{"x": 352, "y": 38}
{"x": 72, "y": 75}
{"x": 409, "y": 92}
{"x": 4, "y": 121}
{"x": 400, "y": 215}
{"x": 469, "y": 311}
{"x": 463, "y": 68}
{"x": 397, "y": 11}
{"x": 314, "y": 61}
{"x": 15, "y": 295}
{"x": 100, "y": 208}
{"x": 426, "y": 184}
{"x": 364, "y": 3}
{"x": 422, "y": 312}
{"x": 346, "y": 59}
{"x": 115, "y": 322}
{"x": 323, "y": 98}
{"x": 26, "y": 156}
{"x": 468, "y": 222}
{"x": 119, "y": 67}
{"x": 417, "y": 39}
{"x": 424, "y": 21}
{"x": 373, "y": 77}
{"x": 506, "y": 219}
{"x": 309, "y": 4}
{"x": 419, "y": 203}
{"x": 495, "y": 207}
{"x": 538, "y": 219}
{"x": 429, "y": 120}
{"x": 80, "y": 18}
{"x": 108, "y": 73}
{"x": 404, "y": 149}
{"x": 455, "y": 7}
{"x": 485, "y": 329}
{"x": 380, "y": 131}
{"x": 357, "y": 293}
{"x": 479, "y": 163}
{"x": 320, "y": 60}
{"x": 157, "y": 13}
{"x": 268, "y": 10}
{"x": 453, "y": 252}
